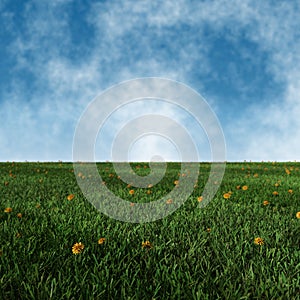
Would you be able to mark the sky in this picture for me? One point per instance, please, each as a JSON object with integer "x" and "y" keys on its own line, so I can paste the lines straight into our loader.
{"x": 242, "y": 57}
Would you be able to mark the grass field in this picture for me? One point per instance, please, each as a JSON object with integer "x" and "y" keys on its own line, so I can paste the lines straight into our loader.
{"x": 244, "y": 245}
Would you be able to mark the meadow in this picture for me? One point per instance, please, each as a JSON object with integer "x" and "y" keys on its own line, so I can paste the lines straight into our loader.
{"x": 244, "y": 245}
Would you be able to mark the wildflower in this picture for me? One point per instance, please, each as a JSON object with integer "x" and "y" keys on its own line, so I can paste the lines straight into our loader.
{"x": 169, "y": 201}
{"x": 244, "y": 187}
{"x": 226, "y": 195}
{"x": 131, "y": 192}
{"x": 71, "y": 197}
{"x": 176, "y": 182}
{"x": 275, "y": 193}
{"x": 290, "y": 191}
{"x": 298, "y": 215}
{"x": 208, "y": 229}
{"x": 255, "y": 175}
{"x": 287, "y": 171}
{"x": 200, "y": 198}
{"x": 77, "y": 248}
{"x": 266, "y": 202}
{"x": 19, "y": 215}
{"x": 148, "y": 192}
{"x": 147, "y": 244}
{"x": 258, "y": 241}
{"x": 101, "y": 241}
{"x": 129, "y": 185}
{"x": 276, "y": 184}
{"x": 8, "y": 209}
{"x": 238, "y": 187}
{"x": 150, "y": 185}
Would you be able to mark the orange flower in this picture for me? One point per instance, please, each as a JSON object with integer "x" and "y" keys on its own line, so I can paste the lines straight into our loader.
{"x": 258, "y": 241}
{"x": 275, "y": 193}
{"x": 200, "y": 198}
{"x": 226, "y": 195}
{"x": 101, "y": 241}
{"x": 131, "y": 192}
{"x": 298, "y": 215}
{"x": 169, "y": 201}
{"x": 290, "y": 191}
{"x": 147, "y": 244}
{"x": 244, "y": 187}
{"x": 71, "y": 197}
{"x": 8, "y": 209}
{"x": 77, "y": 248}
{"x": 266, "y": 202}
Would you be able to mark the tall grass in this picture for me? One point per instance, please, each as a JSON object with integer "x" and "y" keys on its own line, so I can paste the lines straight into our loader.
{"x": 196, "y": 253}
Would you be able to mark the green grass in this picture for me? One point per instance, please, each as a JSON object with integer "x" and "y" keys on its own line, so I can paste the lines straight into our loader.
{"x": 187, "y": 261}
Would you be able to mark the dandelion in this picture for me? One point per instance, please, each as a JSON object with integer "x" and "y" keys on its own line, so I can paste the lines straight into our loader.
{"x": 200, "y": 198}
{"x": 71, "y": 197}
{"x": 276, "y": 184}
{"x": 77, "y": 248}
{"x": 8, "y": 209}
{"x": 226, "y": 195}
{"x": 298, "y": 215}
{"x": 266, "y": 202}
{"x": 275, "y": 193}
{"x": 208, "y": 229}
{"x": 287, "y": 171}
{"x": 101, "y": 241}
{"x": 169, "y": 201}
{"x": 131, "y": 192}
{"x": 176, "y": 182}
{"x": 255, "y": 175}
{"x": 290, "y": 191}
{"x": 244, "y": 187}
{"x": 19, "y": 215}
{"x": 147, "y": 244}
{"x": 258, "y": 241}
{"x": 148, "y": 192}
{"x": 238, "y": 187}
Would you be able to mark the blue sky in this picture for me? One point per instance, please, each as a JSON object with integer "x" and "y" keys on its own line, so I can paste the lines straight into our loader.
{"x": 242, "y": 56}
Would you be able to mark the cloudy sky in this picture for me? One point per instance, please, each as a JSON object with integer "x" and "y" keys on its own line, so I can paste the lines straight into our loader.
{"x": 242, "y": 56}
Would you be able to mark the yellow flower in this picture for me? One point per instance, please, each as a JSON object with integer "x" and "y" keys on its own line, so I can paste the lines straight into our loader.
{"x": 169, "y": 201}
{"x": 147, "y": 244}
{"x": 290, "y": 191}
{"x": 200, "y": 198}
{"x": 255, "y": 175}
{"x": 176, "y": 182}
{"x": 258, "y": 241}
{"x": 101, "y": 241}
{"x": 276, "y": 184}
{"x": 148, "y": 192}
{"x": 238, "y": 187}
{"x": 150, "y": 185}
{"x": 131, "y": 192}
{"x": 298, "y": 215}
{"x": 77, "y": 248}
{"x": 266, "y": 202}
{"x": 226, "y": 195}
{"x": 8, "y": 209}
{"x": 208, "y": 229}
{"x": 19, "y": 215}
{"x": 287, "y": 171}
{"x": 71, "y": 197}
{"x": 244, "y": 187}
{"x": 275, "y": 193}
